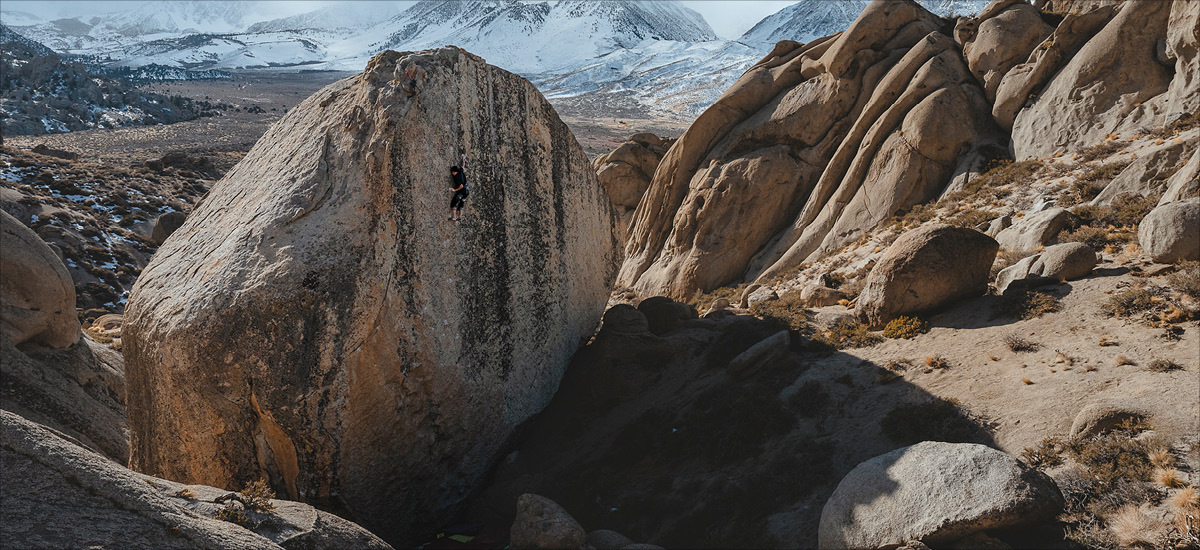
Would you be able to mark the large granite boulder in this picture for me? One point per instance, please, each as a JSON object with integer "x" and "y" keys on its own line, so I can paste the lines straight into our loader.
{"x": 1171, "y": 232}
{"x": 542, "y": 523}
{"x": 1185, "y": 182}
{"x": 37, "y": 297}
{"x": 319, "y": 322}
{"x": 936, "y": 493}
{"x": 1006, "y": 32}
{"x": 811, "y": 148}
{"x": 925, "y": 269}
{"x": 59, "y": 495}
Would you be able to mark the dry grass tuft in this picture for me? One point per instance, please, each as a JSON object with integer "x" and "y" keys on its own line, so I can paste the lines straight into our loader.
{"x": 1162, "y": 458}
{"x": 1187, "y": 498}
{"x": 933, "y": 362}
{"x": 1105, "y": 342}
{"x": 1130, "y": 302}
{"x": 787, "y": 311}
{"x": 1060, "y": 357}
{"x": 848, "y": 334}
{"x": 257, "y": 496}
{"x": 1164, "y": 365}
{"x": 1133, "y": 528}
{"x": 1027, "y": 381}
{"x": 185, "y": 493}
{"x": 1168, "y": 477}
{"x": 1089, "y": 368}
{"x": 1122, "y": 360}
{"x": 1047, "y": 454}
{"x": 1019, "y": 344}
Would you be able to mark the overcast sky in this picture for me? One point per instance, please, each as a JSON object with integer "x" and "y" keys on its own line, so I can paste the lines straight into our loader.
{"x": 730, "y": 18}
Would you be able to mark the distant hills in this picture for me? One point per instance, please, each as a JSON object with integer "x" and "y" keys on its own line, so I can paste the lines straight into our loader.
{"x": 660, "y": 52}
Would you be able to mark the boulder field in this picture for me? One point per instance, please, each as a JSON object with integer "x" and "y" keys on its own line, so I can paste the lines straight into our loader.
{"x": 319, "y": 322}
{"x": 819, "y": 144}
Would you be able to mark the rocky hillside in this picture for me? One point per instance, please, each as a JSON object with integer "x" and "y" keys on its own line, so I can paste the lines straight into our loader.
{"x": 821, "y": 143}
{"x": 368, "y": 353}
{"x": 44, "y": 94}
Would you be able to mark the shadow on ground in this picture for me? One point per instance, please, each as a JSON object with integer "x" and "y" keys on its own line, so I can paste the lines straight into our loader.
{"x": 675, "y": 440}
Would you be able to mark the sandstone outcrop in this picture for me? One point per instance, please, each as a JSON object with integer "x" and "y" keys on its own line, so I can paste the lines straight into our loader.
{"x": 1171, "y": 232}
{"x": 1006, "y": 31}
{"x": 1070, "y": 112}
{"x": 1061, "y": 262}
{"x": 626, "y": 171}
{"x": 927, "y": 268}
{"x": 1149, "y": 172}
{"x": 317, "y": 321}
{"x": 810, "y": 148}
{"x": 37, "y": 296}
{"x": 59, "y": 495}
{"x": 934, "y": 492}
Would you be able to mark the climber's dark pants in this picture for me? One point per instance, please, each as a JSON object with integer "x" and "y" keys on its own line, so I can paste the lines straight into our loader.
{"x": 459, "y": 199}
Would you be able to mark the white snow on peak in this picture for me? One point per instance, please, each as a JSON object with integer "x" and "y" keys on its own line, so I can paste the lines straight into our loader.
{"x": 808, "y": 20}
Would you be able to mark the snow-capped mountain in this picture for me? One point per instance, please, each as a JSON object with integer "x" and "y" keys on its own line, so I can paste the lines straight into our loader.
{"x": 807, "y": 20}
{"x": 19, "y": 19}
{"x": 532, "y": 37}
{"x": 340, "y": 16}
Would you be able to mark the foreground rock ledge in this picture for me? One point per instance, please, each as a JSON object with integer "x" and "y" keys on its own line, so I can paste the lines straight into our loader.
{"x": 318, "y": 321}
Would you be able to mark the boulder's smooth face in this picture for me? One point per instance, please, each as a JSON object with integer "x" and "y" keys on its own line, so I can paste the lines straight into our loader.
{"x": 1171, "y": 232}
{"x": 1035, "y": 230}
{"x": 1061, "y": 262}
{"x": 934, "y": 492}
{"x": 927, "y": 268}
{"x": 37, "y": 296}
{"x": 319, "y": 321}
{"x": 542, "y": 523}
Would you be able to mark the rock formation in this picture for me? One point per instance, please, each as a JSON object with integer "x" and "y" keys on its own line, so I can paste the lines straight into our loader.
{"x": 1061, "y": 262}
{"x": 927, "y": 268}
{"x": 1145, "y": 86}
{"x": 934, "y": 492}
{"x": 813, "y": 146}
{"x": 59, "y": 495}
{"x": 1171, "y": 232}
{"x": 626, "y": 171}
{"x": 1035, "y": 230}
{"x": 542, "y": 523}
{"x": 319, "y": 322}
{"x": 37, "y": 297}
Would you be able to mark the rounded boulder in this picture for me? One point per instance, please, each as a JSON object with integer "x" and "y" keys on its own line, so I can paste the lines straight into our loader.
{"x": 934, "y": 492}
{"x": 37, "y": 296}
{"x": 1171, "y": 232}
{"x": 925, "y": 269}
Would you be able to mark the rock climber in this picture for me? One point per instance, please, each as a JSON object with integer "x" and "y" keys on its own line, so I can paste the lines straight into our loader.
{"x": 461, "y": 190}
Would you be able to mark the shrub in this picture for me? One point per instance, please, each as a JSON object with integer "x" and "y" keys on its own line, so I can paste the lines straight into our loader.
{"x": 1026, "y": 305}
{"x": 185, "y": 493}
{"x": 1162, "y": 458}
{"x": 1098, "y": 238}
{"x": 1133, "y": 528}
{"x": 257, "y": 496}
{"x": 1000, "y": 172}
{"x": 787, "y": 311}
{"x": 936, "y": 362}
{"x": 937, "y": 420}
{"x": 1047, "y": 454}
{"x": 732, "y": 293}
{"x": 1187, "y": 279}
{"x": 848, "y": 334}
{"x": 905, "y": 327}
{"x": 1129, "y": 302}
{"x": 233, "y": 514}
{"x": 1122, "y": 361}
{"x": 1114, "y": 455}
{"x": 917, "y": 215}
{"x": 972, "y": 218}
{"x": 1019, "y": 344}
{"x": 1163, "y": 365}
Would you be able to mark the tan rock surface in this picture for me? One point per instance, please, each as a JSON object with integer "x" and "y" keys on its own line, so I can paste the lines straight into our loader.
{"x": 319, "y": 322}
{"x": 927, "y": 268}
{"x": 1072, "y": 112}
{"x": 1003, "y": 40}
{"x": 59, "y": 495}
{"x": 934, "y": 492}
{"x": 37, "y": 297}
{"x": 542, "y": 523}
{"x": 626, "y": 172}
{"x": 814, "y": 145}
{"x": 1171, "y": 232}
{"x": 1185, "y": 182}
